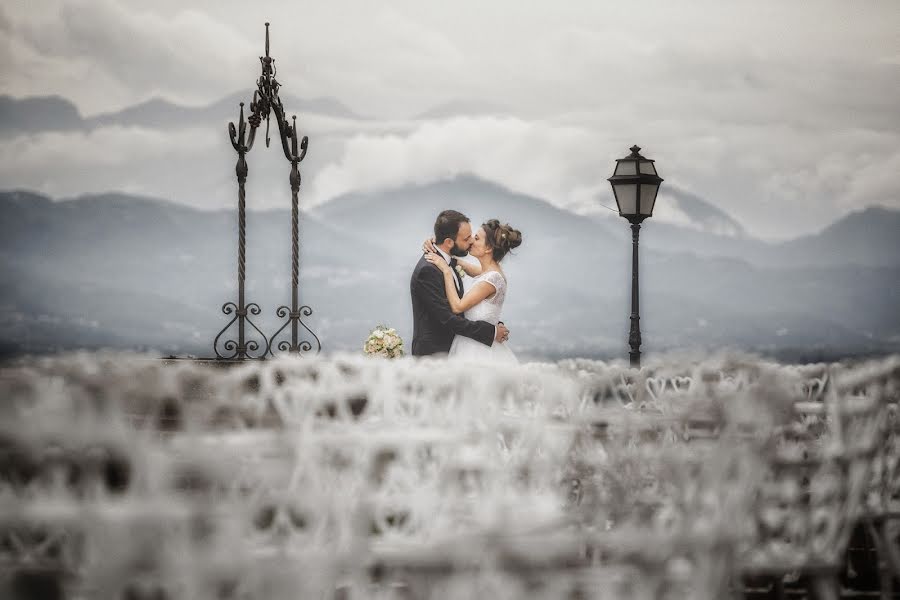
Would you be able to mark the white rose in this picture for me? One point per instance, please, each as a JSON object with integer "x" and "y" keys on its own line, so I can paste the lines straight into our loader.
{"x": 378, "y": 334}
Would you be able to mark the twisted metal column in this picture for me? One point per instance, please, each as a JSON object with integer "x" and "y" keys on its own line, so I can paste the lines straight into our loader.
{"x": 265, "y": 102}
{"x": 242, "y": 348}
{"x": 295, "y": 312}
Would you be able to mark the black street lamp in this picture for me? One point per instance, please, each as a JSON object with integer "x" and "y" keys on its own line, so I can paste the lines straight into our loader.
{"x": 635, "y": 184}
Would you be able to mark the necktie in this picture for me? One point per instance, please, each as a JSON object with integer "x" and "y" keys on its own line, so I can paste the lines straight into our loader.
{"x": 456, "y": 275}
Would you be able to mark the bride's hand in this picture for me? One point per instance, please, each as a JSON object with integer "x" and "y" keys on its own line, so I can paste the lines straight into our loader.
{"x": 428, "y": 245}
{"x": 439, "y": 262}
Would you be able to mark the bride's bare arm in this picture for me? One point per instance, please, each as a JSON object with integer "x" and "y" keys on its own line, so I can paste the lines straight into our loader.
{"x": 479, "y": 292}
{"x": 471, "y": 269}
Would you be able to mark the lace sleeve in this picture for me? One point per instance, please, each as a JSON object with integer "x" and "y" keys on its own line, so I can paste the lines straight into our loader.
{"x": 499, "y": 283}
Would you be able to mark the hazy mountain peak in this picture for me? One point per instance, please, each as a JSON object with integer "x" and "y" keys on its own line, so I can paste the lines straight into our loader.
{"x": 55, "y": 113}
{"x": 38, "y": 113}
{"x": 469, "y": 182}
{"x": 293, "y": 105}
{"x": 15, "y": 199}
{"x": 865, "y": 223}
{"x": 870, "y": 236}
{"x": 867, "y": 216}
{"x": 153, "y": 112}
{"x": 466, "y": 188}
{"x": 683, "y": 208}
{"x": 119, "y": 199}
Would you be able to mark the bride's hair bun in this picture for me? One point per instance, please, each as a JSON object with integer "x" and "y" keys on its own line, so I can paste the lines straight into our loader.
{"x": 502, "y": 238}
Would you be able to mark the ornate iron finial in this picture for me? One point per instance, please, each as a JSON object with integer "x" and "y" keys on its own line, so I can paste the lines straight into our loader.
{"x": 239, "y": 140}
{"x": 266, "y": 104}
{"x": 267, "y": 88}
{"x": 636, "y": 151}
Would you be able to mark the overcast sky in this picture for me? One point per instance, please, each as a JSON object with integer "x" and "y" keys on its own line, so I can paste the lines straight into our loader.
{"x": 784, "y": 114}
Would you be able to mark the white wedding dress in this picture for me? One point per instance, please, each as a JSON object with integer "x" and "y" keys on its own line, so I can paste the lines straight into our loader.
{"x": 489, "y": 309}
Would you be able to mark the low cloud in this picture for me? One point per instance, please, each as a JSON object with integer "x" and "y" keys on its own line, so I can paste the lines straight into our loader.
{"x": 129, "y": 159}
{"x": 781, "y": 122}
{"x": 535, "y": 158}
{"x": 781, "y": 190}
{"x": 143, "y": 52}
{"x": 808, "y": 181}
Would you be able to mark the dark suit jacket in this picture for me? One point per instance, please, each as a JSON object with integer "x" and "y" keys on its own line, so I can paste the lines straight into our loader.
{"x": 434, "y": 324}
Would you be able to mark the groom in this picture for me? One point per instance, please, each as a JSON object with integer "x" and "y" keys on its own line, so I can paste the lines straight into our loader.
{"x": 434, "y": 324}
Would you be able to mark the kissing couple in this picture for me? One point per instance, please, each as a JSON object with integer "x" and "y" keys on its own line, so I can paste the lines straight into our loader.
{"x": 462, "y": 321}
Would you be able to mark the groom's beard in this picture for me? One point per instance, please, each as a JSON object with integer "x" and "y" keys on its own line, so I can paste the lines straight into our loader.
{"x": 457, "y": 251}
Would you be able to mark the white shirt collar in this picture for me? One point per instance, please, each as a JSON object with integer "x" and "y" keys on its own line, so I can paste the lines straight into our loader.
{"x": 441, "y": 252}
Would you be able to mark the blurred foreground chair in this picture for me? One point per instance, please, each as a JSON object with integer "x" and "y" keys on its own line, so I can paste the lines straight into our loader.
{"x": 812, "y": 498}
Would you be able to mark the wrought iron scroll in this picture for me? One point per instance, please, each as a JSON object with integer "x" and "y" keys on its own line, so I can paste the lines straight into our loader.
{"x": 293, "y": 314}
{"x": 241, "y": 348}
{"x": 266, "y": 102}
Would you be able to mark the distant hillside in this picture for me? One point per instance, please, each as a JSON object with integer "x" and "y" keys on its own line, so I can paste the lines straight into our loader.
{"x": 867, "y": 237}
{"x": 53, "y": 113}
{"x": 124, "y": 271}
{"x": 159, "y": 113}
{"x": 409, "y": 212}
{"x": 701, "y": 214}
{"x": 38, "y": 113}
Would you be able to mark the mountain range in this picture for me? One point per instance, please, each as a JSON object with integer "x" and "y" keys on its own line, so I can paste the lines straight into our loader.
{"x": 55, "y": 113}
{"x": 868, "y": 237}
{"x": 126, "y": 271}
{"x": 36, "y": 114}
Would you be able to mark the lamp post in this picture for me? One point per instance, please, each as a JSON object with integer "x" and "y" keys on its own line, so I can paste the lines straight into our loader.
{"x": 635, "y": 184}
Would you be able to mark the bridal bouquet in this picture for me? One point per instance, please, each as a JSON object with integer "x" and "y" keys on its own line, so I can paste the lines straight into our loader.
{"x": 384, "y": 341}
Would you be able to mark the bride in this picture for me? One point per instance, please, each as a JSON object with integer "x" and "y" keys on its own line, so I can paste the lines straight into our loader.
{"x": 483, "y": 300}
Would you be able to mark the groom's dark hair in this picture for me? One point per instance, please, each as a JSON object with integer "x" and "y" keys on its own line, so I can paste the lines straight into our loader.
{"x": 447, "y": 225}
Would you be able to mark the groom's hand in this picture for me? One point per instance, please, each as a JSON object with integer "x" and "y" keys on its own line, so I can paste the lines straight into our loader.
{"x": 502, "y": 333}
